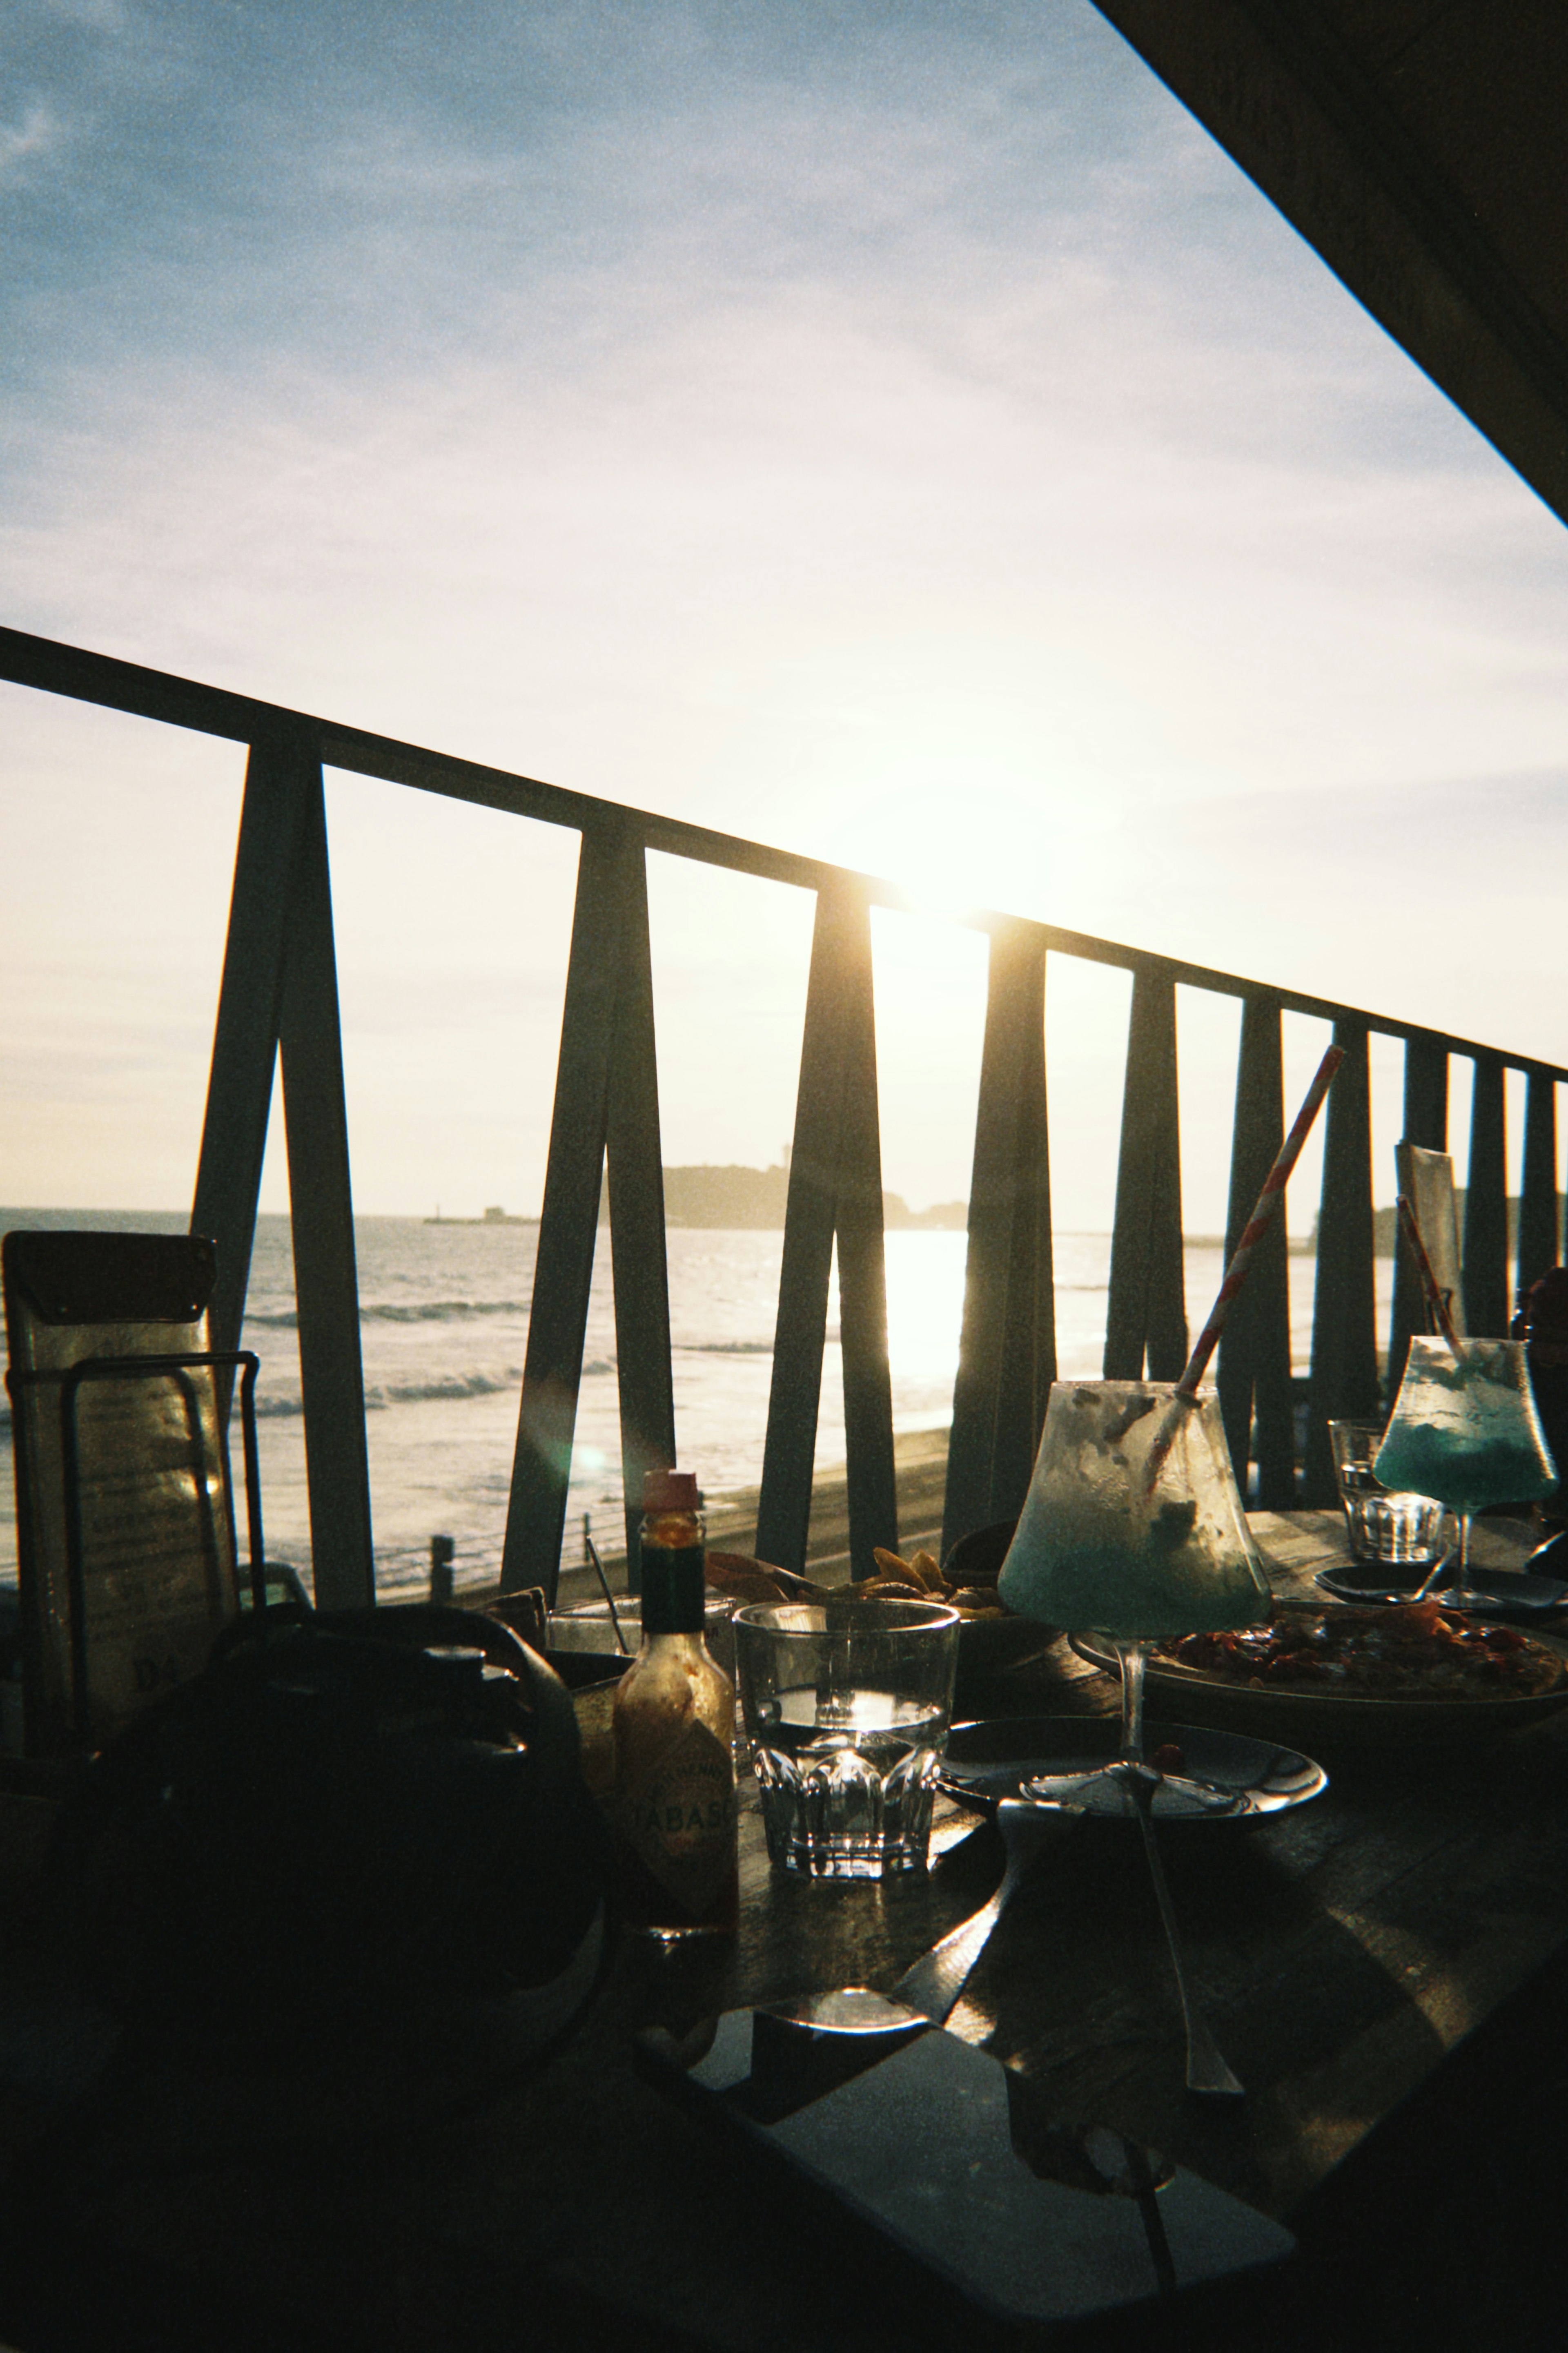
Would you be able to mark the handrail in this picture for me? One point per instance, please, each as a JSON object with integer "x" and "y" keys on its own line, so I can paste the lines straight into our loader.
{"x": 279, "y": 998}
{"x": 140, "y": 692}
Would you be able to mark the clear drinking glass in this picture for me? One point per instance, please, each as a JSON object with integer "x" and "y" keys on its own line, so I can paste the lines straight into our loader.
{"x": 1465, "y": 1428}
{"x": 846, "y": 1706}
{"x": 1393, "y": 1530}
{"x": 1133, "y": 1526}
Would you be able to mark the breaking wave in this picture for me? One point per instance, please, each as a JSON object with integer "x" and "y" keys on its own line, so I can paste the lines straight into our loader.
{"x": 282, "y": 1404}
{"x": 725, "y": 1347}
{"x": 429, "y": 1310}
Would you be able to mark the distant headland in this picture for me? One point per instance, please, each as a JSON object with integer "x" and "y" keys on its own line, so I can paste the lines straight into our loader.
{"x": 730, "y": 1199}
{"x": 490, "y": 1218}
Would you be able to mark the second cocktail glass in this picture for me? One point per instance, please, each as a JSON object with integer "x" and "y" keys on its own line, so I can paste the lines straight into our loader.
{"x": 1134, "y": 1527}
{"x": 1465, "y": 1428}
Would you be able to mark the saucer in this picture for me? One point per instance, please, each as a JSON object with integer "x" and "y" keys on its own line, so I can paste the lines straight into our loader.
{"x": 991, "y": 1760}
{"x": 1503, "y": 1592}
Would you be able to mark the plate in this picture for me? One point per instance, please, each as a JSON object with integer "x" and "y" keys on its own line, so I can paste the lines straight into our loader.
{"x": 1324, "y": 1719}
{"x": 992, "y": 1759}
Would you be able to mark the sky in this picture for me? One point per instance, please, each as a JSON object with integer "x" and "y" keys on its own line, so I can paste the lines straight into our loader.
{"x": 894, "y": 431}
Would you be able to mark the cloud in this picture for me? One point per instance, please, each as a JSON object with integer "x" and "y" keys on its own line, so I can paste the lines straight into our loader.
{"x": 810, "y": 425}
{"x": 38, "y": 132}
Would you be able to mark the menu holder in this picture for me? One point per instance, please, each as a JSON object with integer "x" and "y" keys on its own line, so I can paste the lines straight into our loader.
{"x": 127, "y": 1565}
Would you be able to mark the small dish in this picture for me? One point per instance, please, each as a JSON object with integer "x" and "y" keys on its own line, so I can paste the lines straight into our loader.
{"x": 1505, "y": 1593}
{"x": 993, "y": 1759}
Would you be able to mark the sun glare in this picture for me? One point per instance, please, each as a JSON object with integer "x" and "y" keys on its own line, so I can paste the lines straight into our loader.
{"x": 959, "y": 849}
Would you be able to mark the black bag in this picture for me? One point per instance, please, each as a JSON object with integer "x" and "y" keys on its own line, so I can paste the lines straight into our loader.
{"x": 332, "y": 1834}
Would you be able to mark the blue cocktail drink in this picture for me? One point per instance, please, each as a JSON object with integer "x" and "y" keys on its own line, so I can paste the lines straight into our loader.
{"x": 1101, "y": 1544}
{"x": 1132, "y": 1528}
{"x": 1465, "y": 1430}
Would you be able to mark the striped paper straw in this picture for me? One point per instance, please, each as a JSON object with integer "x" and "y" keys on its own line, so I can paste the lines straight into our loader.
{"x": 1436, "y": 1297}
{"x": 1274, "y": 1184}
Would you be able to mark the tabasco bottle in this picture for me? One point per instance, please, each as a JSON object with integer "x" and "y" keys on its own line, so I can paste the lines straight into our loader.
{"x": 674, "y": 1733}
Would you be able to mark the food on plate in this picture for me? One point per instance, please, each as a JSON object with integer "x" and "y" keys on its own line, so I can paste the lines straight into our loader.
{"x": 1418, "y": 1651}
{"x": 919, "y": 1578}
{"x": 920, "y": 1571}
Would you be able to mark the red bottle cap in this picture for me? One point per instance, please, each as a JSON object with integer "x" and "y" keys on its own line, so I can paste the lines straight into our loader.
{"x": 670, "y": 1491}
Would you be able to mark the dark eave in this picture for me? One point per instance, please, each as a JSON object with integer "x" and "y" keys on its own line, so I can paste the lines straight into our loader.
{"x": 1419, "y": 145}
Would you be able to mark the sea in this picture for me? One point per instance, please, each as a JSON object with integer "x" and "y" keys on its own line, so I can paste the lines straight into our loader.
{"x": 443, "y": 1321}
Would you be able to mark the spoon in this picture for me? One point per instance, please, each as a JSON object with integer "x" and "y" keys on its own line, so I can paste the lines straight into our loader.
{"x": 1206, "y": 2068}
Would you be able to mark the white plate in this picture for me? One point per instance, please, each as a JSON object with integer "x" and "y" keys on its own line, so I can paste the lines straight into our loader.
{"x": 994, "y": 1758}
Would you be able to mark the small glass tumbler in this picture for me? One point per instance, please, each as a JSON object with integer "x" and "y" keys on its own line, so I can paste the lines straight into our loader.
{"x": 846, "y": 1706}
{"x": 1392, "y": 1529}
{"x": 590, "y": 1628}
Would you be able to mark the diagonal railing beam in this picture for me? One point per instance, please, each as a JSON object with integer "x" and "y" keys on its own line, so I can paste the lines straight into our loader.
{"x": 608, "y": 874}
{"x": 280, "y": 777}
{"x": 834, "y": 1187}
{"x": 1486, "y": 1205}
{"x": 1006, "y": 1359}
{"x": 1344, "y": 1383}
{"x": 321, "y": 1212}
{"x": 1145, "y": 1318}
{"x": 635, "y": 1169}
{"x": 1254, "y": 1373}
{"x": 1540, "y": 1235}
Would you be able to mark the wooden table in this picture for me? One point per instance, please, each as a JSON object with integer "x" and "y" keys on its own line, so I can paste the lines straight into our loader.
{"x": 1384, "y": 1968}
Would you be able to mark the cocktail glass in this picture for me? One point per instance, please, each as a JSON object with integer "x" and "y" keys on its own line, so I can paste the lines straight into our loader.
{"x": 1465, "y": 1428}
{"x": 1134, "y": 1527}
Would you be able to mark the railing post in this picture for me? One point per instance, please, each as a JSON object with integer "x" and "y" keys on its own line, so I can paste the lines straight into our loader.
{"x": 1254, "y": 1350}
{"x": 1344, "y": 1383}
{"x": 1006, "y": 1359}
{"x": 320, "y": 1208}
{"x": 639, "y": 1260}
{"x": 607, "y": 969}
{"x": 1539, "y": 1242}
{"x": 244, "y": 1041}
{"x": 834, "y": 1186}
{"x": 1145, "y": 1312}
{"x": 1426, "y": 1123}
{"x": 1486, "y": 1206}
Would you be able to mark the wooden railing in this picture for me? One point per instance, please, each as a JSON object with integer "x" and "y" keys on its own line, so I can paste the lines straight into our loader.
{"x": 279, "y": 997}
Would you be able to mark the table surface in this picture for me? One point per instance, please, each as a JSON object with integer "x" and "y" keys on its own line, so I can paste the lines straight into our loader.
{"x": 1343, "y": 1951}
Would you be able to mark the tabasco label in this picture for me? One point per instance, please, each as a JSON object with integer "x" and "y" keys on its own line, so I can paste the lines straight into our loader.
{"x": 679, "y": 1825}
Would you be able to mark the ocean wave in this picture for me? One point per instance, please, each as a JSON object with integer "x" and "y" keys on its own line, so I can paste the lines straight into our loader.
{"x": 440, "y": 1311}
{"x": 282, "y": 1404}
{"x": 425, "y": 1311}
{"x": 725, "y": 1347}
{"x": 453, "y": 1384}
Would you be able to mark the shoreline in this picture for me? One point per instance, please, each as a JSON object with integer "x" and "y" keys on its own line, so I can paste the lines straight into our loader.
{"x": 919, "y": 1458}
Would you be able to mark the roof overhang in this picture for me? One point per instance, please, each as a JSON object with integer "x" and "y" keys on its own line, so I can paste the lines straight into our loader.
{"x": 1419, "y": 145}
